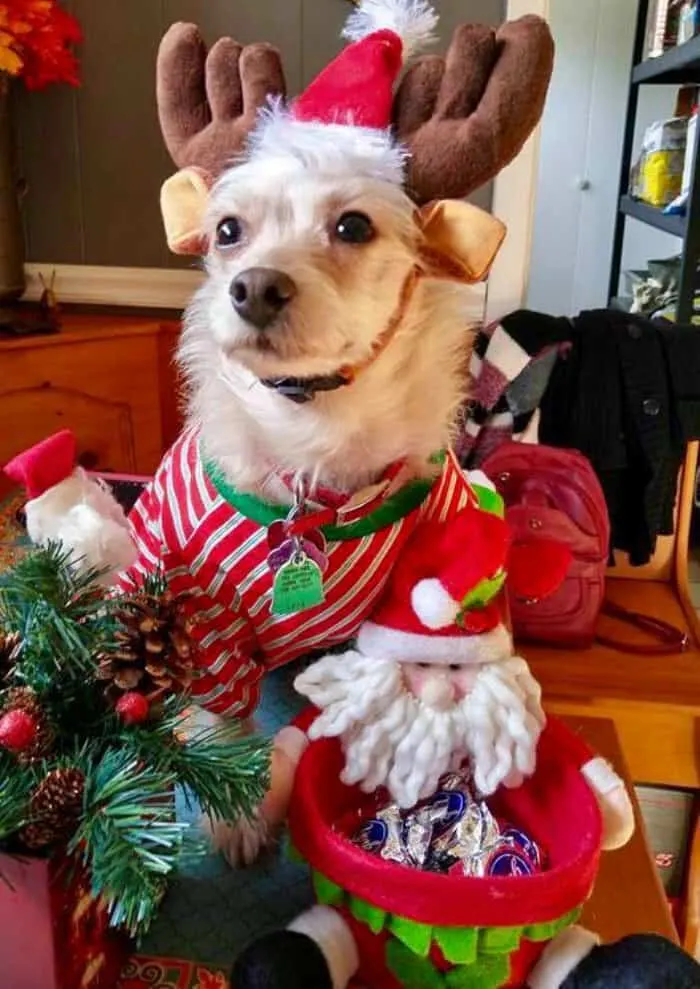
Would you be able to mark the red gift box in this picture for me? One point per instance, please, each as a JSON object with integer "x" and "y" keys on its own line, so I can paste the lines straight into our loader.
{"x": 53, "y": 934}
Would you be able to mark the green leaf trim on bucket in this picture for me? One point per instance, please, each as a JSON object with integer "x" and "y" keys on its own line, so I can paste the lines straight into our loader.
{"x": 481, "y": 955}
{"x": 489, "y": 972}
{"x": 458, "y": 944}
{"x": 417, "y": 937}
{"x": 545, "y": 932}
{"x": 499, "y": 940}
{"x": 367, "y": 914}
{"x": 327, "y": 892}
{"x": 412, "y": 971}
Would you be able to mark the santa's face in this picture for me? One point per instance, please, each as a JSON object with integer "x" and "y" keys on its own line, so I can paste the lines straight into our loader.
{"x": 402, "y": 725}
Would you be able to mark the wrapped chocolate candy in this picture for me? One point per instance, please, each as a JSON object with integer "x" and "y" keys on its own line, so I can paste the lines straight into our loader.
{"x": 452, "y": 832}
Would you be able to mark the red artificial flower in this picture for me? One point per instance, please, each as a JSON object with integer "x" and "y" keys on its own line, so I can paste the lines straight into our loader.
{"x": 37, "y": 38}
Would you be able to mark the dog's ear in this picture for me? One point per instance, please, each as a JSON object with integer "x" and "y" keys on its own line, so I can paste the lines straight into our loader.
{"x": 183, "y": 201}
{"x": 460, "y": 241}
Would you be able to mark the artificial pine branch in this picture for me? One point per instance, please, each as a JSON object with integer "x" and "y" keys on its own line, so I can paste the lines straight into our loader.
{"x": 16, "y": 784}
{"x": 123, "y": 774}
{"x": 129, "y": 838}
{"x": 228, "y": 772}
{"x": 58, "y": 612}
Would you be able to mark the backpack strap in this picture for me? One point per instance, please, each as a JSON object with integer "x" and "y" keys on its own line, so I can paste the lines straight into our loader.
{"x": 669, "y": 639}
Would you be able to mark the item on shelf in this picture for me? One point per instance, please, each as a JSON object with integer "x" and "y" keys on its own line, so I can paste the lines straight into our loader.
{"x": 688, "y": 21}
{"x": 689, "y": 162}
{"x": 673, "y": 14}
{"x": 661, "y": 162}
{"x": 679, "y": 204}
{"x": 656, "y": 287}
{"x": 85, "y": 784}
{"x": 656, "y": 29}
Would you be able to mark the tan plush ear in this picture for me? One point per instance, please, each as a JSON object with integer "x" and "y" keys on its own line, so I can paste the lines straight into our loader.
{"x": 183, "y": 200}
{"x": 461, "y": 241}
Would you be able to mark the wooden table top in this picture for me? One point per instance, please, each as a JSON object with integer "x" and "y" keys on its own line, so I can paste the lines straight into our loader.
{"x": 628, "y": 897}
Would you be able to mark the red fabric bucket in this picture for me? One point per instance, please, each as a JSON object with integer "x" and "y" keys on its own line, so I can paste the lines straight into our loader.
{"x": 556, "y": 806}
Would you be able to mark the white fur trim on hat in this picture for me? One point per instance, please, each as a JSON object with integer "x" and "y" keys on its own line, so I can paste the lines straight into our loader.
{"x": 334, "y": 150}
{"x": 462, "y": 649}
{"x": 433, "y": 605}
{"x": 413, "y": 20}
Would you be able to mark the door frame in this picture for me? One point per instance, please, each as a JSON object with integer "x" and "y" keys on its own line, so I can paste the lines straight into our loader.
{"x": 514, "y": 203}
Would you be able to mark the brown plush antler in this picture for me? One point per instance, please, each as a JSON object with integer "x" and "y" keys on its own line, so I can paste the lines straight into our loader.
{"x": 465, "y": 117}
{"x": 207, "y": 104}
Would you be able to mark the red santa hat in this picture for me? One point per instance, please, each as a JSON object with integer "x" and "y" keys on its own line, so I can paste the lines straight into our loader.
{"x": 45, "y": 465}
{"x": 343, "y": 118}
{"x": 439, "y": 606}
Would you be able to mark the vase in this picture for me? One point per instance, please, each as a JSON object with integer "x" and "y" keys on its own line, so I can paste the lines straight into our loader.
{"x": 12, "y": 282}
{"x": 53, "y": 934}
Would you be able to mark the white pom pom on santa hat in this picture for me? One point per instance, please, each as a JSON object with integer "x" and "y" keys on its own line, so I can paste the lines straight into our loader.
{"x": 433, "y": 604}
{"x": 414, "y": 21}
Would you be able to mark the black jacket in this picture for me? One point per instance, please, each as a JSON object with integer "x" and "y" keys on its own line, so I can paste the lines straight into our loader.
{"x": 626, "y": 392}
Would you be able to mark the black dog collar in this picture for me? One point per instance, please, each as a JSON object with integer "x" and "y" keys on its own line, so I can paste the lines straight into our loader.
{"x": 302, "y": 390}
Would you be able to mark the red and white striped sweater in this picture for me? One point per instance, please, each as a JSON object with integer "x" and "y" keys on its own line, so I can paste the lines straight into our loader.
{"x": 211, "y": 547}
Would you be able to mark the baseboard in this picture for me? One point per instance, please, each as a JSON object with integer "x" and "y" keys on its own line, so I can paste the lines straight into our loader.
{"x": 157, "y": 288}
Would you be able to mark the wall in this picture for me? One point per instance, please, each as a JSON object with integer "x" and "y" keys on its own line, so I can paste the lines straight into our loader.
{"x": 580, "y": 152}
{"x": 93, "y": 159}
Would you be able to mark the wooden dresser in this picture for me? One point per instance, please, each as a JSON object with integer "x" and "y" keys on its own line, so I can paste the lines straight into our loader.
{"x": 109, "y": 378}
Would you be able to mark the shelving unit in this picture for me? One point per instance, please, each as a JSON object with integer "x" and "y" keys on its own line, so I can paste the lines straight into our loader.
{"x": 677, "y": 67}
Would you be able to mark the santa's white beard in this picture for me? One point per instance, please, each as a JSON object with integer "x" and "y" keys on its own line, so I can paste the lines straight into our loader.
{"x": 393, "y": 739}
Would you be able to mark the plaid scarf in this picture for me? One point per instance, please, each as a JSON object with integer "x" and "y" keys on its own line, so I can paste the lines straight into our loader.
{"x": 508, "y": 374}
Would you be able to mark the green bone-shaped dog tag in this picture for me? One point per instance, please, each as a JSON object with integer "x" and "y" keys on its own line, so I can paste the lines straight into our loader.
{"x": 298, "y": 586}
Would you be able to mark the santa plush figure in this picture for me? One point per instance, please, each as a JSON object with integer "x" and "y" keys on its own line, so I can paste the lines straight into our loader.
{"x": 66, "y": 505}
{"x": 433, "y": 687}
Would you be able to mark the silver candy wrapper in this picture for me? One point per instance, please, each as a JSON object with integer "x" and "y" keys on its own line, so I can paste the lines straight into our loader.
{"x": 452, "y": 832}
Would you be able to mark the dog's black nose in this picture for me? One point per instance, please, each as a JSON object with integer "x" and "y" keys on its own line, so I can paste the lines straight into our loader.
{"x": 260, "y": 294}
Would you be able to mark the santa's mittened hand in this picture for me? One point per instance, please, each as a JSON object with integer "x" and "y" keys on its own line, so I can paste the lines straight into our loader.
{"x": 289, "y": 746}
{"x": 614, "y": 802}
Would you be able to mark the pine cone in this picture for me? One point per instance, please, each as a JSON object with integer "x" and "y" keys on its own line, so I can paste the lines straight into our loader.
{"x": 9, "y": 651}
{"x": 24, "y": 699}
{"x": 153, "y": 651}
{"x": 55, "y": 809}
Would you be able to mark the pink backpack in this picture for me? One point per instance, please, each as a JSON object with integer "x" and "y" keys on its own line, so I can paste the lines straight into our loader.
{"x": 555, "y": 495}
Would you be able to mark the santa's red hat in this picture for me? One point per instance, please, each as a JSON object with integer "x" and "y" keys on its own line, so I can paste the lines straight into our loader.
{"x": 343, "y": 118}
{"x": 440, "y": 606}
{"x": 45, "y": 465}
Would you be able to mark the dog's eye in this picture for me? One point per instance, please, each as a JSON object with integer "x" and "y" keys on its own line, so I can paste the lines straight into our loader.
{"x": 228, "y": 232}
{"x": 354, "y": 228}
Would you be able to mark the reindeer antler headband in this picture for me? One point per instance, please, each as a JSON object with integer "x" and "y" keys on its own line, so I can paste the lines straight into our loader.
{"x": 462, "y": 118}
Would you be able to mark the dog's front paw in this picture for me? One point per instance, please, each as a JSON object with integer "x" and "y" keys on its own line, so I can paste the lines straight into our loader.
{"x": 242, "y": 842}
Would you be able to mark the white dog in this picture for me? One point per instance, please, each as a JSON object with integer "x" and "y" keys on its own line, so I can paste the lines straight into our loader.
{"x": 324, "y": 355}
